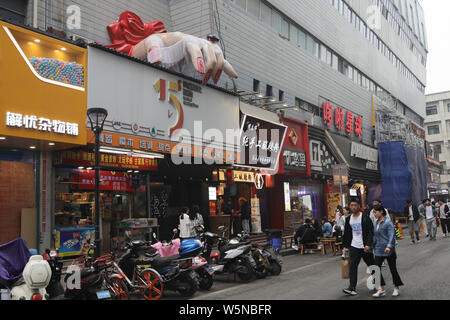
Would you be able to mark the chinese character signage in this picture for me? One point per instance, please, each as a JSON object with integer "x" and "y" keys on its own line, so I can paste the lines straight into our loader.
{"x": 294, "y": 160}
{"x": 109, "y": 181}
{"x": 261, "y": 143}
{"x": 87, "y": 159}
{"x": 18, "y": 120}
{"x": 343, "y": 120}
{"x": 243, "y": 176}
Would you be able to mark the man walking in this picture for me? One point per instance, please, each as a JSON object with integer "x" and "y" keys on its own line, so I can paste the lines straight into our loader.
{"x": 358, "y": 239}
{"x": 413, "y": 215}
{"x": 430, "y": 214}
{"x": 444, "y": 213}
{"x": 422, "y": 220}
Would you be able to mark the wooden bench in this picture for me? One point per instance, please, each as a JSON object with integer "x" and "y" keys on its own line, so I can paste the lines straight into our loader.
{"x": 328, "y": 243}
{"x": 315, "y": 245}
{"x": 338, "y": 248}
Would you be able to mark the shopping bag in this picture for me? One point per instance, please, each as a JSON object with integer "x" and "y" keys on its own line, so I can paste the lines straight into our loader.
{"x": 345, "y": 266}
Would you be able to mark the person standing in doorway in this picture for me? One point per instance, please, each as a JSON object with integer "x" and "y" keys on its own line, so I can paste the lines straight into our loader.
{"x": 245, "y": 216}
{"x": 358, "y": 242}
{"x": 444, "y": 214}
{"x": 189, "y": 222}
{"x": 384, "y": 247}
{"x": 430, "y": 216}
{"x": 412, "y": 212}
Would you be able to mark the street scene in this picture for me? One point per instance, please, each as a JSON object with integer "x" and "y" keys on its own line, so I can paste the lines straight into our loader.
{"x": 216, "y": 151}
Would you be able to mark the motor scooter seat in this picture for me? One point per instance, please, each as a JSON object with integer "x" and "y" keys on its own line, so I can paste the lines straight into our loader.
{"x": 159, "y": 262}
{"x": 234, "y": 246}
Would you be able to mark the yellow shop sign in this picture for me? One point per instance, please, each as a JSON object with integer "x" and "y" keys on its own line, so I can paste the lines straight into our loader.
{"x": 43, "y": 87}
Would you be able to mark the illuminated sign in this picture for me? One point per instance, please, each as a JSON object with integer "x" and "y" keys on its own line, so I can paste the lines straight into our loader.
{"x": 287, "y": 197}
{"x": 343, "y": 120}
{"x": 32, "y": 122}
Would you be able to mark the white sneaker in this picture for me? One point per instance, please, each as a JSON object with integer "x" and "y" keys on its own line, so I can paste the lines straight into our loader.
{"x": 396, "y": 293}
{"x": 379, "y": 294}
{"x": 295, "y": 247}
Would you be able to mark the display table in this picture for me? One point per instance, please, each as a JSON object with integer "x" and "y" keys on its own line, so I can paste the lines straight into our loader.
{"x": 74, "y": 240}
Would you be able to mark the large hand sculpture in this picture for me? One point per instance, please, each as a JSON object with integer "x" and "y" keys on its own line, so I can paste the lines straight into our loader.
{"x": 176, "y": 47}
{"x": 151, "y": 43}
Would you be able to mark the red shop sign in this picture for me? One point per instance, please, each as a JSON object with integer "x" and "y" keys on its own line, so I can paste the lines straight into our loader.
{"x": 109, "y": 181}
{"x": 345, "y": 121}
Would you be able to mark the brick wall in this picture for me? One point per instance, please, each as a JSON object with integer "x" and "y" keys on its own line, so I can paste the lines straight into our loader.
{"x": 17, "y": 191}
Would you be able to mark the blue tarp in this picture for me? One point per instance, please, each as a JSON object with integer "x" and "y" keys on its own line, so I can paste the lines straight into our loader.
{"x": 419, "y": 173}
{"x": 396, "y": 173}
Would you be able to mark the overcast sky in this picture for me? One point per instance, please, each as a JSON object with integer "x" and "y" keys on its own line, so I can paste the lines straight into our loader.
{"x": 438, "y": 35}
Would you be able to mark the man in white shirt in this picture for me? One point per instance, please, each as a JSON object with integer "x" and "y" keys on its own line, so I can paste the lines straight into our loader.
{"x": 430, "y": 215}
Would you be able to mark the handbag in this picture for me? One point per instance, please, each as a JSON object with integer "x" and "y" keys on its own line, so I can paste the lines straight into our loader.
{"x": 345, "y": 268}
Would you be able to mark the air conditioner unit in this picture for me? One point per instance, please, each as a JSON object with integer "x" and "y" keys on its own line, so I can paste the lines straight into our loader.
{"x": 76, "y": 37}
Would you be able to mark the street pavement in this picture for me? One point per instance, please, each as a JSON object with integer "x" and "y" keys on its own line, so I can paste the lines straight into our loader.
{"x": 423, "y": 268}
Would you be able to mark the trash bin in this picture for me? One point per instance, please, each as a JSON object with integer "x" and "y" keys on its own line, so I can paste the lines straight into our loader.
{"x": 274, "y": 238}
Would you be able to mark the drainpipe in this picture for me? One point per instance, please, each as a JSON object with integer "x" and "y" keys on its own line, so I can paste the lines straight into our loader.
{"x": 35, "y": 14}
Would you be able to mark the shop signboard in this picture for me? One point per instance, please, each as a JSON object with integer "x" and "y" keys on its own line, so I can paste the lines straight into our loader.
{"x": 43, "y": 88}
{"x": 341, "y": 120}
{"x": 87, "y": 159}
{"x": 294, "y": 160}
{"x": 109, "y": 181}
{"x": 333, "y": 201}
{"x": 340, "y": 174}
{"x": 287, "y": 197}
{"x": 322, "y": 159}
{"x": 156, "y": 106}
{"x": 243, "y": 176}
{"x": 261, "y": 143}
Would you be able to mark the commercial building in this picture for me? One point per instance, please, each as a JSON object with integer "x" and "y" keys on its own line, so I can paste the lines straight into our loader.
{"x": 340, "y": 63}
{"x": 437, "y": 123}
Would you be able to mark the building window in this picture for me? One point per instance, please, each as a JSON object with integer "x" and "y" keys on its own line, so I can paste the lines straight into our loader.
{"x": 266, "y": 14}
{"x": 438, "y": 149}
{"x": 253, "y": 6}
{"x": 448, "y": 107}
{"x": 256, "y": 84}
{"x": 281, "y": 95}
{"x": 269, "y": 91}
{"x": 432, "y": 130}
{"x": 432, "y": 110}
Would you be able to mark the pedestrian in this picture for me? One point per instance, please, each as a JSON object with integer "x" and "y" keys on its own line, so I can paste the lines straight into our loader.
{"x": 377, "y": 202}
{"x": 412, "y": 212}
{"x": 317, "y": 228}
{"x": 245, "y": 216}
{"x": 358, "y": 242}
{"x": 327, "y": 228}
{"x": 384, "y": 248}
{"x": 190, "y": 220}
{"x": 430, "y": 216}
{"x": 422, "y": 221}
{"x": 444, "y": 214}
{"x": 304, "y": 235}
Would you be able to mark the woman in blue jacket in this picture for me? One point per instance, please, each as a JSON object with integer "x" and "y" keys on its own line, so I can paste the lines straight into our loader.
{"x": 384, "y": 247}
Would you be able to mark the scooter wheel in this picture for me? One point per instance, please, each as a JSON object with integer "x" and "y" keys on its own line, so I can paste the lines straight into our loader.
{"x": 191, "y": 286}
{"x": 248, "y": 274}
{"x": 206, "y": 280}
{"x": 153, "y": 283}
{"x": 276, "y": 268}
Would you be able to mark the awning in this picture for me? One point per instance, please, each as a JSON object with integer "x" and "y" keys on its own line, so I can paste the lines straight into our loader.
{"x": 358, "y": 167}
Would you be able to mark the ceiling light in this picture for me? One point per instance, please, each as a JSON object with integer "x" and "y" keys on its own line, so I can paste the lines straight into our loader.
{"x": 136, "y": 171}
{"x": 63, "y": 49}
{"x": 130, "y": 171}
{"x": 115, "y": 151}
{"x": 148, "y": 155}
{"x": 51, "y": 144}
{"x": 89, "y": 168}
{"x": 37, "y": 40}
{"x": 33, "y": 147}
{"x": 2, "y": 138}
{"x": 80, "y": 168}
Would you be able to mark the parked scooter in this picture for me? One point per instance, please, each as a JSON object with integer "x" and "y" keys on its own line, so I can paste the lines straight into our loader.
{"x": 25, "y": 275}
{"x": 234, "y": 257}
{"x": 175, "y": 271}
{"x": 200, "y": 265}
{"x": 55, "y": 287}
{"x": 268, "y": 260}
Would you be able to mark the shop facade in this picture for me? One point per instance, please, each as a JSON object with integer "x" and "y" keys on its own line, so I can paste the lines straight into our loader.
{"x": 162, "y": 146}
{"x": 43, "y": 105}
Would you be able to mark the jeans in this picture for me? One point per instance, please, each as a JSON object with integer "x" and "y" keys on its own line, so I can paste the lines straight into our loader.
{"x": 413, "y": 228}
{"x": 392, "y": 262}
{"x": 432, "y": 228}
{"x": 246, "y": 225}
{"x": 355, "y": 259}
